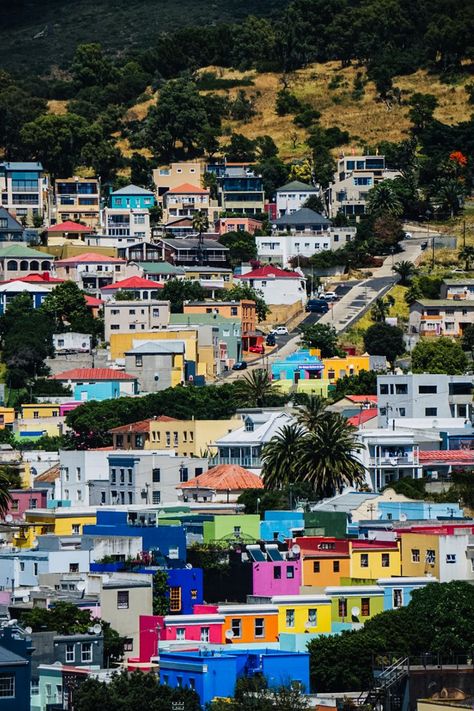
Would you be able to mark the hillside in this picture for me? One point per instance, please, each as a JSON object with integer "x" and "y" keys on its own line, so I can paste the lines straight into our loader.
{"x": 38, "y": 34}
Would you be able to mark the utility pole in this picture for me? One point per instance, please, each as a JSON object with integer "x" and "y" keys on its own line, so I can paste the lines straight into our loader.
{"x": 464, "y": 233}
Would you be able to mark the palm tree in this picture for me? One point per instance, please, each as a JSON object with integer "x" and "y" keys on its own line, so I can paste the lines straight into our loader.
{"x": 280, "y": 457}
{"x": 383, "y": 199}
{"x": 327, "y": 457}
{"x": 449, "y": 197}
{"x": 200, "y": 225}
{"x": 254, "y": 389}
{"x": 309, "y": 414}
{"x": 5, "y": 497}
{"x": 379, "y": 310}
{"x": 406, "y": 271}
{"x": 467, "y": 255}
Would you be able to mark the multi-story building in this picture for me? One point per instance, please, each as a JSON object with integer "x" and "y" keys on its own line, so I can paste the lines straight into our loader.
{"x": 10, "y": 229}
{"x": 130, "y": 316}
{"x": 92, "y": 271}
{"x": 278, "y": 286}
{"x": 78, "y": 468}
{"x": 168, "y": 177}
{"x": 239, "y": 190}
{"x": 457, "y": 289}
{"x": 17, "y": 261}
{"x": 186, "y": 200}
{"x": 237, "y": 224}
{"x": 424, "y": 395}
{"x": 23, "y": 190}
{"x": 78, "y": 199}
{"x": 292, "y": 196}
{"x": 439, "y": 551}
{"x": 192, "y": 251}
{"x": 281, "y": 248}
{"x": 125, "y": 225}
{"x": 389, "y": 455}
{"x": 157, "y": 365}
{"x": 355, "y": 176}
{"x": 226, "y": 333}
{"x": 441, "y": 317}
{"x": 133, "y": 197}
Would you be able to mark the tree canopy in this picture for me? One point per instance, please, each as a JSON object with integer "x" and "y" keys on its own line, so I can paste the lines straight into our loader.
{"x": 438, "y": 355}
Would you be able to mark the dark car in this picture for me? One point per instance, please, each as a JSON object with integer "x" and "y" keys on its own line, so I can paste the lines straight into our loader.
{"x": 318, "y": 306}
{"x": 240, "y": 365}
{"x": 270, "y": 340}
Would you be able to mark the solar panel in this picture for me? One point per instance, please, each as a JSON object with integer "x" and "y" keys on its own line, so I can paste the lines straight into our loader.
{"x": 256, "y": 554}
{"x": 273, "y": 553}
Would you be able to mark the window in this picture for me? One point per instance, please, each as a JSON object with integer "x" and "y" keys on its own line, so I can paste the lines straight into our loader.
{"x": 22, "y": 566}
{"x": 415, "y": 555}
{"x": 7, "y": 686}
{"x": 290, "y": 618}
{"x": 122, "y": 599}
{"x": 277, "y": 572}
{"x": 450, "y": 557}
{"x": 402, "y": 411}
{"x": 290, "y": 572}
{"x": 364, "y": 560}
{"x": 204, "y": 634}
{"x": 35, "y": 687}
{"x": 365, "y": 606}
{"x": 156, "y": 497}
{"x": 316, "y": 566}
{"x": 384, "y": 389}
{"x": 138, "y": 361}
{"x": 128, "y": 645}
{"x": 86, "y": 652}
{"x": 179, "y": 681}
{"x": 401, "y": 389}
{"x": 342, "y": 607}
{"x": 430, "y": 556}
{"x": 312, "y": 617}
{"x": 385, "y": 560}
{"x": 180, "y": 634}
{"x": 70, "y": 653}
{"x": 194, "y": 594}
{"x": 113, "y": 476}
{"x": 335, "y": 566}
{"x": 78, "y": 473}
{"x": 425, "y": 389}
{"x": 76, "y": 529}
{"x": 73, "y": 567}
{"x": 183, "y": 473}
{"x": 236, "y": 626}
{"x": 35, "y": 568}
{"x": 397, "y": 597}
{"x": 192, "y": 683}
{"x": 431, "y": 411}
{"x": 175, "y": 599}
{"x": 259, "y": 627}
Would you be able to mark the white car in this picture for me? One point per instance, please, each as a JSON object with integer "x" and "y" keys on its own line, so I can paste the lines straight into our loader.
{"x": 329, "y": 296}
{"x": 280, "y": 331}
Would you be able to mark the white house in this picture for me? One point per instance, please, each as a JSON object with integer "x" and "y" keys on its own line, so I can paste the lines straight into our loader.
{"x": 126, "y": 224}
{"x": 78, "y": 468}
{"x": 292, "y": 196}
{"x": 281, "y": 248}
{"x": 278, "y": 286}
{"x": 72, "y": 342}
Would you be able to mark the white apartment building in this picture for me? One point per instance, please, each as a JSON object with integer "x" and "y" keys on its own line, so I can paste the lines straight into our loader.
{"x": 135, "y": 316}
{"x": 127, "y": 224}
{"x": 389, "y": 455}
{"x": 78, "y": 468}
{"x": 355, "y": 176}
{"x": 292, "y": 196}
{"x": 281, "y": 248}
{"x": 278, "y": 286}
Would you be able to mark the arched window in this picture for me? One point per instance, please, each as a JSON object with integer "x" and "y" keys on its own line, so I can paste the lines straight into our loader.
{"x": 24, "y": 266}
{"x": 12, "y": 265}
{"x": 34, "y": 265}
{"x": 46, "y": 266}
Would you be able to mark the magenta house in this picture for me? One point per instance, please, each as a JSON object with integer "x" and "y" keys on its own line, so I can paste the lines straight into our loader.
{"x": 272, "y": 573}
{"x": 24, "y": 499}
{"x": 199, "y": 628}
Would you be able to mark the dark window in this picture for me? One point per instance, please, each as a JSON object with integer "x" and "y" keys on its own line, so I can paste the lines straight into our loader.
{"x": 431, "y": 411}
{"x": 384, "y": 389}
{"x": 122, "y": 599}
{"x": 365, "y": 606}
{"x": 425, "y": 389}
{"x": 156, "y": 476}
{"x": 277, "y": 572}
{"x": 342, "y": 607}
{"x": 335, "y": 566}
{"x": 316, "y": 566}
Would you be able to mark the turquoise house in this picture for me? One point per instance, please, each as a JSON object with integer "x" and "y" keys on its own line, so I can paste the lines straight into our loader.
{"x": 132, "y": 196}
{"x": 299, "y": 365}
{"x": 98, "y": 383}
{"x": 398, "y": 591}
{"x": 281, "y": 525}
{"x": 418, "y": 510}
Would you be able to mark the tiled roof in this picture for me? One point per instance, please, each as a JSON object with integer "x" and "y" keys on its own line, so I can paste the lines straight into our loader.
{"x": 92, "y": 374}
{"x": 70, "y": 226}
{"x": 187, "y": 188}
{"x": 225, "y": 477}
{"x": 465, "y": 456}
{"x": 93, "y": 301}
{"x": 362, "y": 398}
{"x": 39, "y": 279}
{"x": 19, "y": 250}
{"x": 50, "y": 475}
{"x": 363, "y": 416}
{"x": 134, "y": 282}
{"x": 270, "y": 271}
{"x": 132, "y": 190}
{"x": 142, "y": 425}
{"x": 92, "y": 257}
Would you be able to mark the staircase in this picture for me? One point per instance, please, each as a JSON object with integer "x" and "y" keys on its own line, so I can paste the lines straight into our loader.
{"x": 384, "y": 681}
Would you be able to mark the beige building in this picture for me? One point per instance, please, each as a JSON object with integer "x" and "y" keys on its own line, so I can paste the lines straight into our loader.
{"x": 185, "y": 200}
{"x": 167, "y": 177}
{"x": 135, "y": 316}
{"x": 78, "y": 199}
{"x": 440, "y": 317}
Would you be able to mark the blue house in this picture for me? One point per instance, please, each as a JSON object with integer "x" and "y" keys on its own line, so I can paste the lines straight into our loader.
{"x": 11, "y": 289}
{"x": 190, "y": 583}
{"x": 170, "y": 541}
{"x": 133, "y": 197}
{"x": 15, "y": 670}
{"x": 280, "y": 525}
{"x": 10, "y": 229}
{"x": 215, "y": 673}
{"x": 398, "y": 591}
{"x": 301, "y": 362}
{"x": 417, "y": 511}
{"x": 98, "y": 383}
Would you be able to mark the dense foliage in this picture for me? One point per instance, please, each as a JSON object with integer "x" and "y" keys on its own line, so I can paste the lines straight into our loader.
{"x": 438, "y": 355}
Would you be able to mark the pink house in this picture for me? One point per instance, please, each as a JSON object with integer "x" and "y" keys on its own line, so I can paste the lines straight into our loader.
{"x": 281, "y": 577}
{"x": 24, "y": 499}
{"x": 67, "y": 407}
{"x": 198, "y": 628}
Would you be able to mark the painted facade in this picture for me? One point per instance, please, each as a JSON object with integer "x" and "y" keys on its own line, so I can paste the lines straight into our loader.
{"x": 303, "y": 613}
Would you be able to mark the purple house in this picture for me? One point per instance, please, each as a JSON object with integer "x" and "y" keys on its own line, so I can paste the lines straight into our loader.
{"x": 272, "y": 574}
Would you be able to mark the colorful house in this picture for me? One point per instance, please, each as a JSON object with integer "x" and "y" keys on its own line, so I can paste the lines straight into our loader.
{"x": 439, "y": 551}
{"x": 133, "y": 197}
{"x": 15, "y": 669}
{"x": 352, "y": 605}
{"x": 232, "y": 527}
{"x": 224, "y": 482}
{"x": 24, "y": 499}
{"x": 7, "y": 417}
{"x": 303, "y": 613}
{"x": 371, "y": 560}
{"x": 249, "y": 624}
{"x": 61, "y": 521}
{"x": 325, "y": 561}
{"x": 11, "y": 289}
{"x": 272, "y": 574}
{"x": 97, "y": 383}
{"x": 281, "y": 525}
{"x": 398, "y": 591}
{"x": 205, "y": 628}
{"x": 142, "y": 289}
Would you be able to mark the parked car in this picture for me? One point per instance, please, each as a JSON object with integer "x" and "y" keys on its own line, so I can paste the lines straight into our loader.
{"x": 329, "y": 296}
{"x": 280, "y": 331}
{"x": 317, "y": 306}
{"x": 240, "y": 365}
{"x": 270, "y": 339}
{"x": 424, "y": 244}
{"x": 257, "y": 349}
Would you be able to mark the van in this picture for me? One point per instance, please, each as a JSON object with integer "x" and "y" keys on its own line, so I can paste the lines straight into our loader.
{"x": 318, "y": 306}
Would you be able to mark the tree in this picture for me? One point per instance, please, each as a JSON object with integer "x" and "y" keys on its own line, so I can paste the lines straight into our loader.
{"x": 286, "y": 103}
{"x": 384, "y": 340}
{"x": 309, "y": 414}
{"x": 177, "y": 291}
{"x": 467, "y": 341}
{"x": 90, "y": 66}
{"x": 321, "y": 336}
{"x": 364, "y": 383}
{"x": 245, "y": 291}
{"x": 17, "y": 108}
{"x": 315, "y": 202}
{"x": 449, "y": 197}
{"x": 405, "y": 270}
{"x": 380, "y": 309}
{"x": 256, "y": 388}
{"x": 280, "y": 457}
{"x": 240, "y": 148}
{"x": 161, "y": 593}
{"x": 241, "y": 245}
{"x": 383, "y": 199}
{"x": 438, "y": 355}
{"x": 466, "y": 254}
{"x": 422, "y": 107}
{"x": 5, "y": 497}
{"x": 67, "y": 308}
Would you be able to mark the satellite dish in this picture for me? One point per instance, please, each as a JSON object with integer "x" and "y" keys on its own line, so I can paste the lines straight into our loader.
{"x": 188, "y": 566}
{"x": 308, "y": 625}
{"x": 25, "y": 598}
{"x": 81, "y": 586}
{"x": 229, "y": 634}
{"x": 403, "y": 517}
{"x": 355, "y": 611}
{"x": 28, "y": 630}
{"x": 296, "y": 549}
{"x": 57, "y": 664}
{"x": 8, "y": 518}
{"x": 35, "y": 544}
{"x": 97, "y": 629}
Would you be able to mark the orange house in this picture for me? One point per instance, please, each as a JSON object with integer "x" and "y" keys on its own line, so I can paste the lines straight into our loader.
{"x": 245, "y": 310}
{"x": 325, "y": 560}
{"x": 249, "y": 624}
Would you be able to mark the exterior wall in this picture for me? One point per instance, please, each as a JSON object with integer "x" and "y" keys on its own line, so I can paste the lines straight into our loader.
{"x": 232, "y": 526}
{"x": 249, "y": 615}
{"x": 166, "y": 177}
{"x": 157, "y": 371}
{"x": 130, "y": 316}
{"x": 122, "y": 342}
{"x": 7, "y": 416}
{"x": 23, "y": 189}
{"x": 19, "y": 669}
{"x": 458, "y": 290}
{"x": 78, "y": 199}
{"x": 245, "y": 310}
{"x": 237, "y": 224}
{"x": 440, "y": 318}
{"x": 77, "y": 468}
{"x": 276, "y": 578}
{"x": 398, "y": 591}
{"x": 125, "y": 225}
{"x": 326, "y": 573}
{"x": 280, "y": 525}
{"x": 24, "y": 499}
{"x": 414, "y": 555}
{"x": 281, "y": 248}
{"x": 189, "y": 437}
{"x": 228, "y": 333}
{"x": 417, "y": 510}
{"x": 12, "y": 268}
{"x": 335, "y": 368}
{"x": 289, "y": 201}
{"x": 304, "y": 614}
{"x": 351, "y": 607}
{"x": 375, "y": 568}
{"x": 355, "y": 176}
{"x": 126, "y": 619}
{"x": 60, "y": 524}
{"x": 280, "y": 291}
{"x": 129, "y": 200}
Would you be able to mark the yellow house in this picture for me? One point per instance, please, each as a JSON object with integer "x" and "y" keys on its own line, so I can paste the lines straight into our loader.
{"x": 7, "y": 416}
{"x": 196, "y": 350}
{"x": 303, "y": 613}
{"x": 37, "y": 410}
{"x": 65, "y": 521}
{"x": 335, "y": 368}
{"x": 371, "y": 560}
{"x": 420, "y": 554}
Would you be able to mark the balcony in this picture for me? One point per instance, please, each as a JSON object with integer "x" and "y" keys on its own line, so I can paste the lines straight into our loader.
{"x": 385, "y": 460}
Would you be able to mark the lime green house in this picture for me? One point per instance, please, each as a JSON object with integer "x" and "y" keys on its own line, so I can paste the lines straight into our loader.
{"x": 225, "y": 527}
{"x": 352, "y": 605}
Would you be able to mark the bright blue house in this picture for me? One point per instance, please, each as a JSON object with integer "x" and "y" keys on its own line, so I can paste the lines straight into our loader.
{"x": 215, "y": 673}
{"x": 398, "y": 591}
{"x": 97, "y": 383}
{"x": 11, "y": 289}
{"x": 417, "y": 511}
{"x": 15, "y": 670}
{"x": 280, "y": 525}
{"x": 133, "y": 197}
{"x": 301, "y": 362}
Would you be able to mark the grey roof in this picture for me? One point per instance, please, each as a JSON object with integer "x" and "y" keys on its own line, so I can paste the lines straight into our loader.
{"x": 458, "y": 282}
{"x": 160, "y": 268}
{"x": 21, "y": 166}
{"x": 297, "y": 186}
{"x": 132, "y": 190}
{"x": 194, "y": 243}
{"x": 12, "y": 224}
{"x": 304, "y": 216}
{"x": 345, "y": 503}
{"x": 7, "y": 657}
{"x": 158, "y": 347}
{"x": 443, "y": 303}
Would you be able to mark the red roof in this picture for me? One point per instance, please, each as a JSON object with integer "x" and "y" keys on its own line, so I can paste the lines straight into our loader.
{"x": 187, "y": 188}
{"x": 93, "y": 301}
{"x": 141, "y": 425}
{"x": 375, "y": 545}
{"x": 225, "y": 477}
{"x": 92, "y": 374}
{"x": 92, "y": 257}
{"x": 134, "y": 282}
{"x": 270, "y": 271}
{"x": 363, "y": 398}
{"x": 363, "y": 416}
{"x": 70, "y": 226}
{"x": 36, "y": 279}
{"x": 449, "y": 456}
